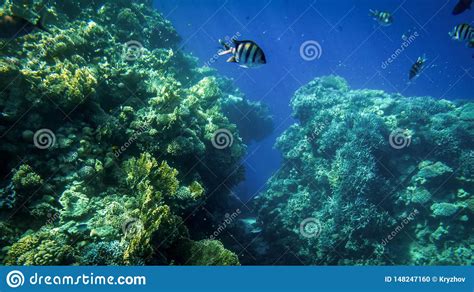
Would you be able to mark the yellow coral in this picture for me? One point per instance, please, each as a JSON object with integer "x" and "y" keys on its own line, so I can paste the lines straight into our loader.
{"x": 43, "y": 248}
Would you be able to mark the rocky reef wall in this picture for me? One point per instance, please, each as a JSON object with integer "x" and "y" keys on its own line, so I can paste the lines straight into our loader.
{"x": 110, "y": 150}
{"x": 371, "y": 178}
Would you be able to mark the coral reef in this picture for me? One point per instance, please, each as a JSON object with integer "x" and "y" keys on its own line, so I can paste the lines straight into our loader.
{"x": 128, "y": 157}
{"x": 371, "y": 178}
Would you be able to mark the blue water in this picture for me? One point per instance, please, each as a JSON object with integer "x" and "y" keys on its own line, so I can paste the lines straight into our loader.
{"x": 353, "y": 46}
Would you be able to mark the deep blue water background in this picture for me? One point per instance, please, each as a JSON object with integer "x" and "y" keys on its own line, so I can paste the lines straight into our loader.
{"x": 353, "y": 46}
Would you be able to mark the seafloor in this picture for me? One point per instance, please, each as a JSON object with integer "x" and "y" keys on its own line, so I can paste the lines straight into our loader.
{"x": 118, "y": 149}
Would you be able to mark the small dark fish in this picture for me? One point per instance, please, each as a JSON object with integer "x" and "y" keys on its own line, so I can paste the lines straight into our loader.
{"x": 462, "y": 6}
{"x": 470, "y": 44}
{"x": 417, "y": 67}
{"x": 246, "y": 53}
{"x": 12, "y": 27}
{"x": 5, "y": 118}
{"x": 82, "y": 227}
{"x": 462, "y": 32}
{"x": 383, "y": 18}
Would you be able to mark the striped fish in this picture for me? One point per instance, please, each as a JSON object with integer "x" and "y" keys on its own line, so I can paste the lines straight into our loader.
{"x": 417, "y": 67}
{"x": 462, "y": 32}
{"x": 383, "y": 18}
{"x": 245, "y": 53}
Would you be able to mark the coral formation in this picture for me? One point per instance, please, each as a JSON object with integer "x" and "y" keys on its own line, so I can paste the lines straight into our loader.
{"x": 384, "y": 179}
{"x": 130, "y": 155}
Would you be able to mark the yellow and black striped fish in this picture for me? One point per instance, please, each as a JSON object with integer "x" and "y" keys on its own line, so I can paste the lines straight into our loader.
{"x": 417, "y": 67}
{"x": 462, "y": 32}
{"x": 383, "y": 18}
{"x": 245, "y": 53}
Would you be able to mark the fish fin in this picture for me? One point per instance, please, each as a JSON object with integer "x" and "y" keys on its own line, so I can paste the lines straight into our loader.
{"x": 237, "y": 42}
{"x": 222, "y": 53}
{"x": 224, "y": 44}
{"x": 232, "y": 60}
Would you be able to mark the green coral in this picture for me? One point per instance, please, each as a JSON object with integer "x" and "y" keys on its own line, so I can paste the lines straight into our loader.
{"x": 44, "y": 248}
{"x": 25, "y": 179}
{"x": 211, "y": 253}
{"x": 444, "y": 209}
{"x": 341, "y": 169}
{"x": 135, "y": 141}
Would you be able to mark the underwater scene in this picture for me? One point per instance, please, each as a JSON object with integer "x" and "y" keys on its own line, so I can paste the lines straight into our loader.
{"x": 237, "y": 132}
